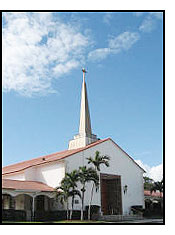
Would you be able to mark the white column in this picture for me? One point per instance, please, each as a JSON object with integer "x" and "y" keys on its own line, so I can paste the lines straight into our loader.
{"x": 33, "y": 207}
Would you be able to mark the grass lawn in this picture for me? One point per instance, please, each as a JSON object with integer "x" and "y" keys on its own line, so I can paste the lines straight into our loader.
{"x": 56, "y": 222}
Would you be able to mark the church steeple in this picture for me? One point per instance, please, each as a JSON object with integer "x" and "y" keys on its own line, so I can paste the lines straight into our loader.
{"x": 85, "y": 122}
{"x": 85, "y": 135}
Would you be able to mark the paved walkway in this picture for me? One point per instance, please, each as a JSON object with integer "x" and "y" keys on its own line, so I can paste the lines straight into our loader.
{"x": 141, "y": 221}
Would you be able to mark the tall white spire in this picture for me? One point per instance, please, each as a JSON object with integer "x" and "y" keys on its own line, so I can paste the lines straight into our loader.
{"x": 85, "y": 122}
{"x": 85, "y": 135}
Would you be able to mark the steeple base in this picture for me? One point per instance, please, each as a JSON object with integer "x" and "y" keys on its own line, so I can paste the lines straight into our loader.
{"x": 82, "y": 141}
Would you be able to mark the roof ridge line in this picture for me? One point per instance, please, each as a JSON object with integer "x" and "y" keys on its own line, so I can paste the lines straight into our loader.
{"x": 26, "y": 181}
{"x": 36, "y": 158}
{"x": 72, "y": 151}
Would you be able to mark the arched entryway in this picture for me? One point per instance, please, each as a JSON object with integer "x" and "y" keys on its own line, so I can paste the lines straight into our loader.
{"x": 23, "y": 202}
{"x": 13, "y": 208}
{"x": 7, "y": 202}
{"x": 43, "y": 206}
{"x": 26, "y": 207}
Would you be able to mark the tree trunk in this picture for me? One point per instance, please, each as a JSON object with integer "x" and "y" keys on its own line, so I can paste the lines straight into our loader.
{"x": 89, "y": 209}
{"x": 72, "y": 208}
{"x": 67, "y": 211}
{"x": 82, "y": 205}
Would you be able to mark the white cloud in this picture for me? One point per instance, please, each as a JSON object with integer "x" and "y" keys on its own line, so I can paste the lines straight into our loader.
{"x": 107, "y": 18}
{"x": 99, "y": 54}
{"x": 64, "y": 68}
{"x": 138, "y": 14}
{"x": 149, "y": 21}
{"x": 124, "y": 41}
{"x": 37, "y": 49}
{"x": 158, "y": 15}
{"x": 148, "y": 24}
{"x": 155, "y": 172}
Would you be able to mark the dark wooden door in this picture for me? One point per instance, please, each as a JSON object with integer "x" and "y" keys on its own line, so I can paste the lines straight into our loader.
{"x": 104, "y": 196}
{"x": 111, "y": 199}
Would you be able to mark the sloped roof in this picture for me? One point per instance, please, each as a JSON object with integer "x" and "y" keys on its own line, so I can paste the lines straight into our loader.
{"x": 153, "y": 194}
{"x": 45, "y": 159}
{"x": 26, "y": 185}
{"x": 53, "y": 157}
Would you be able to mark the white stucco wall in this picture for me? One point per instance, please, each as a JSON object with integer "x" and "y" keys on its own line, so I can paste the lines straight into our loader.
{"x": 30, "y": 174}
{"x": 15, "y": 176}
{"x": 120, "y": 164}
{"x": 50, "y": 173}
{"x": 81, "y": 141}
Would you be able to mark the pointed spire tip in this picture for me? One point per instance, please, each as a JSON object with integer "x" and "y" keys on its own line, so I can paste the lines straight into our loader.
{"x": 84, "y": 70}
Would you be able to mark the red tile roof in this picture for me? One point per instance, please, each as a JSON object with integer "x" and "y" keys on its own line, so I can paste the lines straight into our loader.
{"x": 26, "y": 185}
{"x": 53, "y": 157}
{"x": 153, "y": 194}
{"x": 45, "y": 159}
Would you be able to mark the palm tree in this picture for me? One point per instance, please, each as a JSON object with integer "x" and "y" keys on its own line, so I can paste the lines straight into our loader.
{"x": 64, "y": 193}
{"x": 73, "y": 178}
{"x": 157, "y": 186}
{"x": 86, "y": 175}
{"x": 68, "y": 189}
{"x": 97, "y": 162}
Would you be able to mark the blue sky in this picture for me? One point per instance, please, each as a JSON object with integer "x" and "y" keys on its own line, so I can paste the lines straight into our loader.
{"x": 43, "y": 54}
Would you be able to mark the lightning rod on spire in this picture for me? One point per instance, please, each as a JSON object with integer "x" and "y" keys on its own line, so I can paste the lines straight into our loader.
{"x": 84, "y": 70}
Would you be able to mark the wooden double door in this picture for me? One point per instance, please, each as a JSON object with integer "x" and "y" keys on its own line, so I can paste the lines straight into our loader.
{"x": 111, "y": 197}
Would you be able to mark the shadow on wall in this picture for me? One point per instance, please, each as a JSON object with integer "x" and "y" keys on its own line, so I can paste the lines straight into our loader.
{"x": 50, "y": 174}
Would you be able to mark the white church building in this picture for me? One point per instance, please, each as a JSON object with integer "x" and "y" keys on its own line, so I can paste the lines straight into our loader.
{"x": 28, "y": 187}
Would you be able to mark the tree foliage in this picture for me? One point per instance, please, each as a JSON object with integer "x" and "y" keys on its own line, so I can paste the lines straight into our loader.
{"x": 83, "y": 175}
{"x": 97, "y": 162}
{"x": 86, "y": 175}
{"x": 148, "y": 183}
{"x": 68, "y": 189}
{"x": 157, "y": 186}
